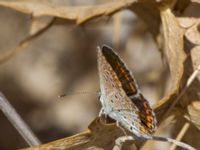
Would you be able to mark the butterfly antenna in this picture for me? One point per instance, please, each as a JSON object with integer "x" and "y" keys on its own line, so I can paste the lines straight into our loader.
{"x": 79, "y": 93}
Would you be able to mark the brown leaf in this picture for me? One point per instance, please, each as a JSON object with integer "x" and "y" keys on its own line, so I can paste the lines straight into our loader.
{"x": 174, "y": 52}
{"x": 100, "y": 136}
{"x": 193, "y": 33}
{"x": 79, "y": 14}
{"x": 39, "y": 23}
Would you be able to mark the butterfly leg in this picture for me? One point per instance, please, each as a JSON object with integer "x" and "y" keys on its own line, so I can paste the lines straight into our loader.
{"x": 101, "y": 112}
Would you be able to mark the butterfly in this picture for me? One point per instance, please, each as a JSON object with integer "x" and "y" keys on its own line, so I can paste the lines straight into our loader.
{"x": 122, "y": 100}
{"x": 120, "y": 96}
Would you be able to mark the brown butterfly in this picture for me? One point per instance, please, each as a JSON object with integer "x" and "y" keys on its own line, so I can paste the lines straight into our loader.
{"x": 120, "y": 97}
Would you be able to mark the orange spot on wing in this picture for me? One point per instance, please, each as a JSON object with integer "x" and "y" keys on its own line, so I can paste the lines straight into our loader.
{"x": 148, "y": 118}
{"x": 149, "y": 125}
{"x": 148, "y": 112}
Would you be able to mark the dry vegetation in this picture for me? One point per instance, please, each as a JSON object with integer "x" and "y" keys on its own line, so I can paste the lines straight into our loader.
{"x": 48, "y": 48}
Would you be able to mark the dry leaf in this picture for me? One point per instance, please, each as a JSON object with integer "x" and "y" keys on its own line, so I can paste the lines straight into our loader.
{"x": 39, "y": 23}
{"x": 99, "y": 137}
{"x": 175, "y": 55}
{"x": 79, "y": 14}
{"x": 193, "y": 33}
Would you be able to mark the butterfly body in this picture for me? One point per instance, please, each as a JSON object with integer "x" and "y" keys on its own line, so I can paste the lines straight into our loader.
{"x": 120, "y": 97}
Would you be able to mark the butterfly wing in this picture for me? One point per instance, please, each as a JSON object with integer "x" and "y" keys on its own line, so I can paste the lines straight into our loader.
{"x": 114, "y": 71}
{"x": 112, "y": 94}
{"x": 114, "y": 100}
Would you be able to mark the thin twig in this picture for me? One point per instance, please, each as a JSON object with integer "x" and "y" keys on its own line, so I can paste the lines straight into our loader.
{"x": 181, "y": 134}
{"x": 18, "y": 122}
{"x": 119, "y": 141}
{"x": 24, "y": 43}
{"x": 189, "y": 82}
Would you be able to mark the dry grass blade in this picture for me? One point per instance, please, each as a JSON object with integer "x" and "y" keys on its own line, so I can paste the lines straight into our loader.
{"x": 181, "y": 134}
{"x": 17, "y": 122}
{"x": 121, "y": 140}
{"x": 24, "y": 43}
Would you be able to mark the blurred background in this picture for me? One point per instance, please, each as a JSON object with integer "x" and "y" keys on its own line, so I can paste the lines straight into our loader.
{"x": 63, "y": 60}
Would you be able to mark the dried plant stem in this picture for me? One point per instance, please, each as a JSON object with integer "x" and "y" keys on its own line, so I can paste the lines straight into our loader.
{"x": 189, "y": 82}
{"x": 117, "y": 21}
{"x": 17, "y": 122}
{"x": 181, "y": 134}
{"x": 119, "y": 141}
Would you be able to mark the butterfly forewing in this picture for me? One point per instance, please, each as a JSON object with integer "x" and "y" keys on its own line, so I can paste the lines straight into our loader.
{"x": 111, "y": 88}
{"x": 114, "y": 100}
{"x": 123, "y": 74}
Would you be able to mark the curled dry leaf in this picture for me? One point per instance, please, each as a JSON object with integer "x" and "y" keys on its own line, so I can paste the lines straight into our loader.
{"x": 79, "y": 14}
{"x": 193, "y": 33}
{"x": 39, "y": 23}
{"x": 100, "y": 136}
{"x": 173, "y": 35}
